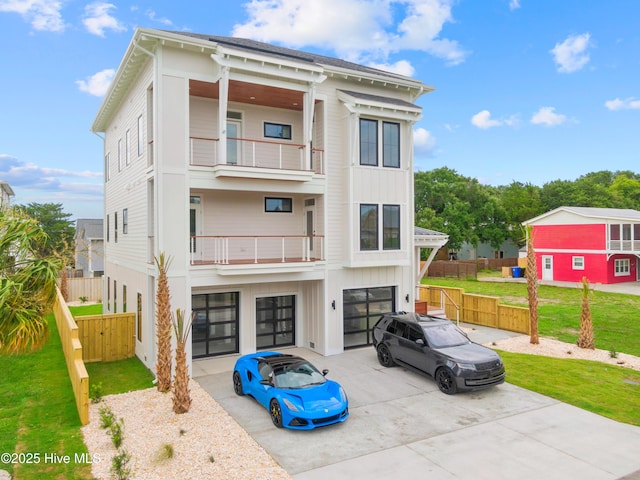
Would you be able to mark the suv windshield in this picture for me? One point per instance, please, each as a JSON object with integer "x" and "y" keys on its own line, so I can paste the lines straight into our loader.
{"x": 445, "y": 335}
{"x": 298, "y": 375}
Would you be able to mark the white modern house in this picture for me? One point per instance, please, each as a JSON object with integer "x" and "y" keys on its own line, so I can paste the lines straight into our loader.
{"x": 6, "y": 192}
{"x": 89, "y": 246}
{"x": 279, "y": 182}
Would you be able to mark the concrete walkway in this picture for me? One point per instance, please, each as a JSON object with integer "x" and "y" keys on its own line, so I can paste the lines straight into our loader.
{"x": 403, "y": 427}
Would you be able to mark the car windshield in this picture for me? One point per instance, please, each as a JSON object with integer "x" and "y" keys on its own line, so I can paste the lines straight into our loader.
{"x": 440, "y": 336}
{"x": 297, "y": 375}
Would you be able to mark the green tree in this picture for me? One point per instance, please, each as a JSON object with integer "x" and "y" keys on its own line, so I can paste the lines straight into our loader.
{"x": 58, "y": 227}
{"x": 27, "y": 283}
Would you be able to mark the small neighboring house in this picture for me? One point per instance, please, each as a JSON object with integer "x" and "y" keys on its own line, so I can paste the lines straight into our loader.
{"x": 6, "y": 192}
{"x": 602, "y": 244}
{"x": 280, "y": 183}
{"x": 467, "y": 251}
{"x": 89, "y": 246}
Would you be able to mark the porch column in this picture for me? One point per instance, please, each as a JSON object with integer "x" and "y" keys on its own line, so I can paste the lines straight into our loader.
{"x": 223, "y": 103}
{"x": 309, "y": 101}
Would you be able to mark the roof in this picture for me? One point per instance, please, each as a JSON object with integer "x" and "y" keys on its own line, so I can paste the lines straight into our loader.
{"x": 144, "y": 42}
{"x": 591, "y": 213}
{"x": 425, "y": 231}
{"x": 6, "y": 187}
{"x": 90, "y": 228}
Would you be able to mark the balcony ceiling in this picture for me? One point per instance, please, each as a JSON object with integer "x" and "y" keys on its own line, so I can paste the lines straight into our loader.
{"x": 251, "y": 93}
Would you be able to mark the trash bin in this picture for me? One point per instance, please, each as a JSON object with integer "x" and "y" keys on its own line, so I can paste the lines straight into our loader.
{"x": 516, "y": 272}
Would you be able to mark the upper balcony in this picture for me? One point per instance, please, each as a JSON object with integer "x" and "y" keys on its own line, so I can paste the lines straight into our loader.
{"x": 257, "y": 158}
{"x": 624, "y": 238}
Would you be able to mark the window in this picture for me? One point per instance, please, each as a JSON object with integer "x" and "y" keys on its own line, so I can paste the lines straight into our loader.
{"x": 368, "y": 142}
{"x": 140, "y": 136}
{"x": 368, "y": 227}
{"x": 272, "y": 204}
{"x": 115, "y": 227}
{"x": 126, "y": 147}
{"x": 119, "y": 154}
{"x": 578, "y": 263}
{"x": 107, "y": 167}
{"x": 109, "y": 294}
{"x": 277, "y": 130}
{"x": 115, "y": 296}
{"x": 125, "y": 220}
{"x": 622, "y": 267}
{"x": 124, "y": 298}
{"x": 391, "y": 227}
{"x": 139, "y": 315}
{"x": 391, "y": 144}
{"x": 108, "y": 229}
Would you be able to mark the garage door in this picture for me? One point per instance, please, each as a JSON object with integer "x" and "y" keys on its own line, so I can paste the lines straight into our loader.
{"x": 362, "y": 308}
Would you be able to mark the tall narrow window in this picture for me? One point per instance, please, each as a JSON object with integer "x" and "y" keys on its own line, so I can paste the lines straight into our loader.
{"x": 115, "y": 296}
{"x": 391, "y": 227}
{"x": 107, "y": 167}
{"x": 124, "y": 298}
{"x": 391, "y": 144}
{"x": 108, "y": 294}
{"x": 368, "y": 227}
{"x": 126, "y": 147}
{"x": 115, "y": 227}
{"x": 108, "y": 229}
{"x": 139, "y": 315}
{"x": 140, "y": 136}
{"x": 368, "y": 142}
{"x": 125, "y": 220}
{"x": 119, "y": 154}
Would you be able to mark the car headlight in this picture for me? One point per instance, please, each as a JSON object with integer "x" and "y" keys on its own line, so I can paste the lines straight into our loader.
{"x": 466, "y": 366}
{"x": 290, "y": 405}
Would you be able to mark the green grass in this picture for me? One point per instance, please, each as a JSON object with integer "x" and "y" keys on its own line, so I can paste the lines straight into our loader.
{"x": 38, "y": 412}
{"x": 614, "y": 315}
{"x": 611, "y": 391}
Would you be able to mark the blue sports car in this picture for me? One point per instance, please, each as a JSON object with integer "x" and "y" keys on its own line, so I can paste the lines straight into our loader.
{"x": 296, "y": 394}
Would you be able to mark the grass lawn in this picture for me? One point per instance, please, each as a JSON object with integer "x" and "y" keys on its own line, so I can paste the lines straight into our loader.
{"x": 615, "y": 315}
{"x": 38, "y": 413}
{"x": 610, "y": 391}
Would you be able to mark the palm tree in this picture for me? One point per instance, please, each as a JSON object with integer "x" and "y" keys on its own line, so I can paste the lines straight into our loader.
{"x": 586, "y": 325}
{"x": 532, "y": 288}
{"x": 163, "y": 325}
{"x": 181, "y": 394}
{"x": 27, "y": 283}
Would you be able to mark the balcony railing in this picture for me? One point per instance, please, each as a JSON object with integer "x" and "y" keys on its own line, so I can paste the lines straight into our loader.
{"x": 624, "y": 245}
{"x": 207, "y": 250}
{"x": 246, "y": 152}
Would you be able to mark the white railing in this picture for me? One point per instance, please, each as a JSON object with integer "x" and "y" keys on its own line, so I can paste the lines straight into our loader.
{"x": 624, "y": 245}
{"x": 255, "y": 249}
{"x": 255, "y": 153}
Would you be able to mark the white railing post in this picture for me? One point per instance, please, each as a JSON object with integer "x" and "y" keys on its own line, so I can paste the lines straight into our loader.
{"x": 226, "y": 251}
{"x": 255, "y": 250}
{"x": 253, "y": 153}
{"x": 280, "y": 155}
{"x": 282, "y": 249}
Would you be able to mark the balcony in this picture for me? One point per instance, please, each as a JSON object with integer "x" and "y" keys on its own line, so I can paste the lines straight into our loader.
{"x": 251, "y": 254}
{"x": 261, "y": 159}
{"x": 624, "y": 246}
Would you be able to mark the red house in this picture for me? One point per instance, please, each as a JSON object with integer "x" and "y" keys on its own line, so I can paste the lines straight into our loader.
{"x": 602, "y": 244}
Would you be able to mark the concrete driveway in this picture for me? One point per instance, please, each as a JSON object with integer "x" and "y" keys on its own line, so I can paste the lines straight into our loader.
{"x": 401, "y": 426}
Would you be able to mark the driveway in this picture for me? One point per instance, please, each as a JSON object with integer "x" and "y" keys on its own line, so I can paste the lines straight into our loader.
{"x": 401, "y": 426}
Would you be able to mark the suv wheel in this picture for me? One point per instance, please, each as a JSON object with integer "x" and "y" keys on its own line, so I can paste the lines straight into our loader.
{"x": 384, "y": 356}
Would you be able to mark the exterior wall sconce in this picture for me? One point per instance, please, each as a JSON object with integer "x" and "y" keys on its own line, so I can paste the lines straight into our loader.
{"x": 406, "y": 298}
{"x": 333, "y": 304}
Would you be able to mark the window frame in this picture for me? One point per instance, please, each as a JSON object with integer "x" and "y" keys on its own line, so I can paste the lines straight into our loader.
{"x": 283, "y": 128}
{"x": 385, "y": 237}
{"x": 376, "y": 230}
{"x": 283, "y": 201}
{"x": 577, "y": 262}
{"x": 371, "y": 145}
{"x": 622, "y": 267}
{"x": 140, "y": 136}
{"x": 125, "y": 221}
{"x": 396, "y": 148}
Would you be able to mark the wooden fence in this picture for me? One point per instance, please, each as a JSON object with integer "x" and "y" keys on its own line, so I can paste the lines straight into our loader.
{"x": 468, "y": 268}
{"x": 106, "y": 338}
{"x": 89, "y": 288}
{"x": 477, "y": 309}
{"x": 72, "y": 349}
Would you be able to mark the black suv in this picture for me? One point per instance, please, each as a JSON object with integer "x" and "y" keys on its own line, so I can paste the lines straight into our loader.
{"x": 436, "y": 346}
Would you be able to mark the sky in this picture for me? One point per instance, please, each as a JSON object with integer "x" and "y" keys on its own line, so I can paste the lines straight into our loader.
{"x": 530, "y": 91}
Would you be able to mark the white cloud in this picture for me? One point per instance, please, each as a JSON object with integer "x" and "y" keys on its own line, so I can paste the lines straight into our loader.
{"x": 97, "y": 84}
{"x": 423, "y": 141}
{"x": 401, "y": 67}
{"x": 547, "y": 116}
{"x": 43, "y": 15}
{"x": 151, "y": 14}
{"x": 514, "y": 4}
{"x": 571, "y": 55}
{"x": 97, "y": 19}
{"x": 484, "y": 121}
{"x": 357, "y": 30}
{"x": 630, "y": 103}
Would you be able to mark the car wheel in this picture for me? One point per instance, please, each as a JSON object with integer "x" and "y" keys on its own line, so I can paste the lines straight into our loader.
{"x": 237, "y": 383}
{"x": 446, "y": 381}
{"x": 276, "y": 413}
{"x": 384, "y": 356}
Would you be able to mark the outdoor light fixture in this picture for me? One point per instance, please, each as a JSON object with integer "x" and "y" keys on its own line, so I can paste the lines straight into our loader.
{"x": 406, "y": 298}
{"x": 333, "y": 304}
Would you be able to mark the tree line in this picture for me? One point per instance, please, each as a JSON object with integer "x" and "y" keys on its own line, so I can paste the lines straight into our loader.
{"x": 469, "y": 211}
